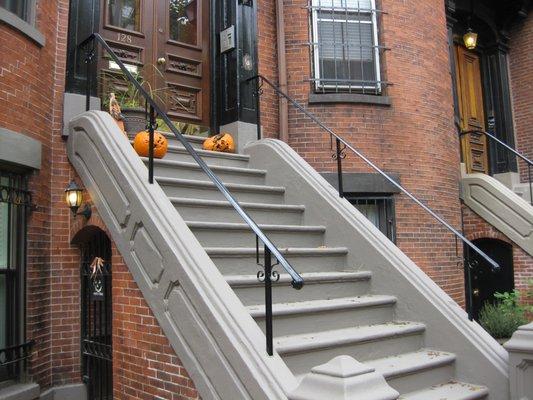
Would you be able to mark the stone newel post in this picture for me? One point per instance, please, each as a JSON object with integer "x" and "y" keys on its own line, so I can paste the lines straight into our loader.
{"x": 520, "y": 349}
{"x": 343, "y": 378}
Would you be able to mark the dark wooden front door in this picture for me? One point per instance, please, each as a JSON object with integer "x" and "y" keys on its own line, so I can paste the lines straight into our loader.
{"x": 165, "y": 43}
{"x": 485, "y": 281}
{"x": 471, "y": 110}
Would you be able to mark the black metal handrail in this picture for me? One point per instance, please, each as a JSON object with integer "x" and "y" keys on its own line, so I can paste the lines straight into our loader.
{"x": 342, "y": 145}
{"x": 268, "y": 276}
{"x": 510, "y": 149}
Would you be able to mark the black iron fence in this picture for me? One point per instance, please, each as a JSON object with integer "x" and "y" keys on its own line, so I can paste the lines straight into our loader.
{"x": 14, "y": 360}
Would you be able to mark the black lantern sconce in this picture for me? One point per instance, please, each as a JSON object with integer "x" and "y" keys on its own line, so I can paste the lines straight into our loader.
{"x": 74, "y": 198}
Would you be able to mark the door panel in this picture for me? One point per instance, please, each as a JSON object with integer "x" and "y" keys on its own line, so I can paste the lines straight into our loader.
{"x": 471, "y": 110}
{"x": 167, "y": 43}
{"x": 183, "y": 44}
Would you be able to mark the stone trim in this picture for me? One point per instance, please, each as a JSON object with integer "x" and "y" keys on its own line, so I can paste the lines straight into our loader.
{"x": 354, "y": 182}
{"x": 22, "y": 26}
{"x": 354, "y": 98}
{"x": 76, "y": 391}
{"x": 19, "y": 149}
{"x": 20, "y": 391}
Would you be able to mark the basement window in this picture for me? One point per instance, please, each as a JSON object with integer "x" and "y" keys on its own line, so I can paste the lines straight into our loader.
{"x": 377, "y": 209}
{"x": 14, "y": 199}
{"x": 345, "y": 48}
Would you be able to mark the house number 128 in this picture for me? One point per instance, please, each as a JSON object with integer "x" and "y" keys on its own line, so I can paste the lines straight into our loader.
{"x": 122, "y": 37}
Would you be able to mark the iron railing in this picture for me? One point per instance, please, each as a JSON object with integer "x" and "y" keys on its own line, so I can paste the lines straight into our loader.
{"x": 518, "y": 155}
{"x": 270, "y": 250}
{"x": 340, "y": 153}
{"x": 14, "y": 360}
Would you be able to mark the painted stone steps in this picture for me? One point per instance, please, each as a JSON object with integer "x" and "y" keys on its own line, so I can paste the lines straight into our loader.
{"x": 452, "y": 390}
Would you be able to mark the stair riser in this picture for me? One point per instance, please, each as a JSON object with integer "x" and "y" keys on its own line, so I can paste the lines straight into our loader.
{"x": 172, "y": 141}
{"x": 300, "y": 363}
{"x": 422, "y": 379}
{"x": 228, "y": 238}
{"x": 212, "y": 193}
{"x": 284, "y": 293}
{"x": 225, "y": 214}
{"x": 172, "y": 171}
{"x": 302, "y": 264}
{"x": 182, "y": 155}
{"x": 307, "y": 323}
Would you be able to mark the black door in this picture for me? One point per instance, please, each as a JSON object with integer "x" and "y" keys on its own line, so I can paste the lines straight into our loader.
{"x": 96, "y": 316}
{"x": 486, "y": 282}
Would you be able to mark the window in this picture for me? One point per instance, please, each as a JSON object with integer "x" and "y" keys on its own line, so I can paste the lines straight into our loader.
{"x": 379, "y": 210}
{"x": 21, "y": 8}
{"x": 345, "y": 46}
{"x": 13, "y": 201}
{"x": 125, "y": 14}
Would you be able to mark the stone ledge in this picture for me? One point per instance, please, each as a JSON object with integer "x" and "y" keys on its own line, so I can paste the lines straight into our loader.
{"x": 19, "y": 149}
{"x": 20, "y": 391}
{"x": 22, "y": 26}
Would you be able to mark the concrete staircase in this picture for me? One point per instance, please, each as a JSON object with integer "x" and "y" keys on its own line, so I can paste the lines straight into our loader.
{"x": 194, "y": 261}
{"x": 337, "y": 312}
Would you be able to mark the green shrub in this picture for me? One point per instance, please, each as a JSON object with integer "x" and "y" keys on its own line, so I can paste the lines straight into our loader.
{"x": 504, "y": 316}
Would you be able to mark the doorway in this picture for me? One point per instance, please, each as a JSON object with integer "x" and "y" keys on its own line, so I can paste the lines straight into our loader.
{"x": 96, "y": 313}
{"x": 485, "y": 281}
{"x": 165, "y": 44}
{"x": 471, "y": 110}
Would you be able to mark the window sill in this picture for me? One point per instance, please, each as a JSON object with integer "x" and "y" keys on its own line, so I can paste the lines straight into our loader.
{"x": 22, "y": 26}
{"x": 354, "y": 98}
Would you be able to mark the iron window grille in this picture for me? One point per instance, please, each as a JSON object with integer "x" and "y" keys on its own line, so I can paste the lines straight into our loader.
{"x": 345, "y": 47}
{"x": 15, "y": 202}
{"x": 379, "y": 210}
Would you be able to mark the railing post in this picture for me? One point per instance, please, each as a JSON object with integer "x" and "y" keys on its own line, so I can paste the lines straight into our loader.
{"x": 268, "y": 302}
{"x": 258, "y": 85}
{"x": 339, "y": 166}
{"x": 151, "y": 129}
{"x": 88, "y": 83}
{"x": 468, "y": 266}
{"x": 530, "y": 188}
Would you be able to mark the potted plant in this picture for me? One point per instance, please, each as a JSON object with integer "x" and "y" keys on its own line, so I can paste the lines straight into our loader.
{"x": 130, "y": 100}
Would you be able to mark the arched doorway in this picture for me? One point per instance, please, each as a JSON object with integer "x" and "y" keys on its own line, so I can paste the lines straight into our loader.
{"x": 96, "y": 312}
{"x": 485, "y": 281}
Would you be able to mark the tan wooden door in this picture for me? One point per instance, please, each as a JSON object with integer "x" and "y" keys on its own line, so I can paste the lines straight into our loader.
{"x": 471, "y": 109}
{"x": 166, "y": 44}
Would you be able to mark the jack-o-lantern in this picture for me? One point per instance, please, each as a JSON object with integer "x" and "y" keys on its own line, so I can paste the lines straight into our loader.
{"x": 221, "y": 142}
{"x": 141, "y": 144}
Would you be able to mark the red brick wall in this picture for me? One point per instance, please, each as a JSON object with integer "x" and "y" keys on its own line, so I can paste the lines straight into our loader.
{"x": 29, "y": 92}
{"x": 477, "y": 228}
{"x": 414, "y": 137}
{"x": 144, "y": 364}
{"x": 521, "y": 73}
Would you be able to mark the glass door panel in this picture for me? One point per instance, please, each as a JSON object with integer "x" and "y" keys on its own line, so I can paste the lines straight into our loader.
{"x": 125, "y": 14}
{"x": 183, "y": 21}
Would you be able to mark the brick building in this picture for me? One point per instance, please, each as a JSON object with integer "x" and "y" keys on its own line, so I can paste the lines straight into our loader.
{"x": 393, "y": 79}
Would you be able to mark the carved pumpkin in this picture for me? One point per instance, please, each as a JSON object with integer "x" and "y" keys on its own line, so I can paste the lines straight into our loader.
{"x": 141, "y": 144}
{"x": 221, "y": 142}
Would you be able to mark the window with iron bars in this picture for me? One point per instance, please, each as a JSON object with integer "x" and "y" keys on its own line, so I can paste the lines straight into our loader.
{"x": 377, "y": 209}
{"x": 14, "y": 203}
{"x": 345, "y": 46}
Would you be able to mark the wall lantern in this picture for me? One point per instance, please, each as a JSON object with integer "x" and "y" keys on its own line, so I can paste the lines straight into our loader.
{"x": 74, "y": 198}
{"x": 470, "y": 39}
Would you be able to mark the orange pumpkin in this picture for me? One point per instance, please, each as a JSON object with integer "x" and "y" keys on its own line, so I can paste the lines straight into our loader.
{"x": 141, "y": 144}
{"x": 221, "y": 142}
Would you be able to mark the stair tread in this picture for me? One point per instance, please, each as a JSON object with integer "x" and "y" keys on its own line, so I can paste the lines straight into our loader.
{"x": 193, "y": 165}
{"x": 246, "y": 251}
{"x": 408, "y": 363}
{"x": 190, "y": 138}
{"x": 312, "y": 306}
{"x": 309, "y": 278}
{"x": 244, "y": 204}
{"x": 452, "y": 390}
{"x": 230, "y": 186}
{"x": 338, "y": 337}
{"x": 243, "y": 226}
{"x": 203, "y": 153}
